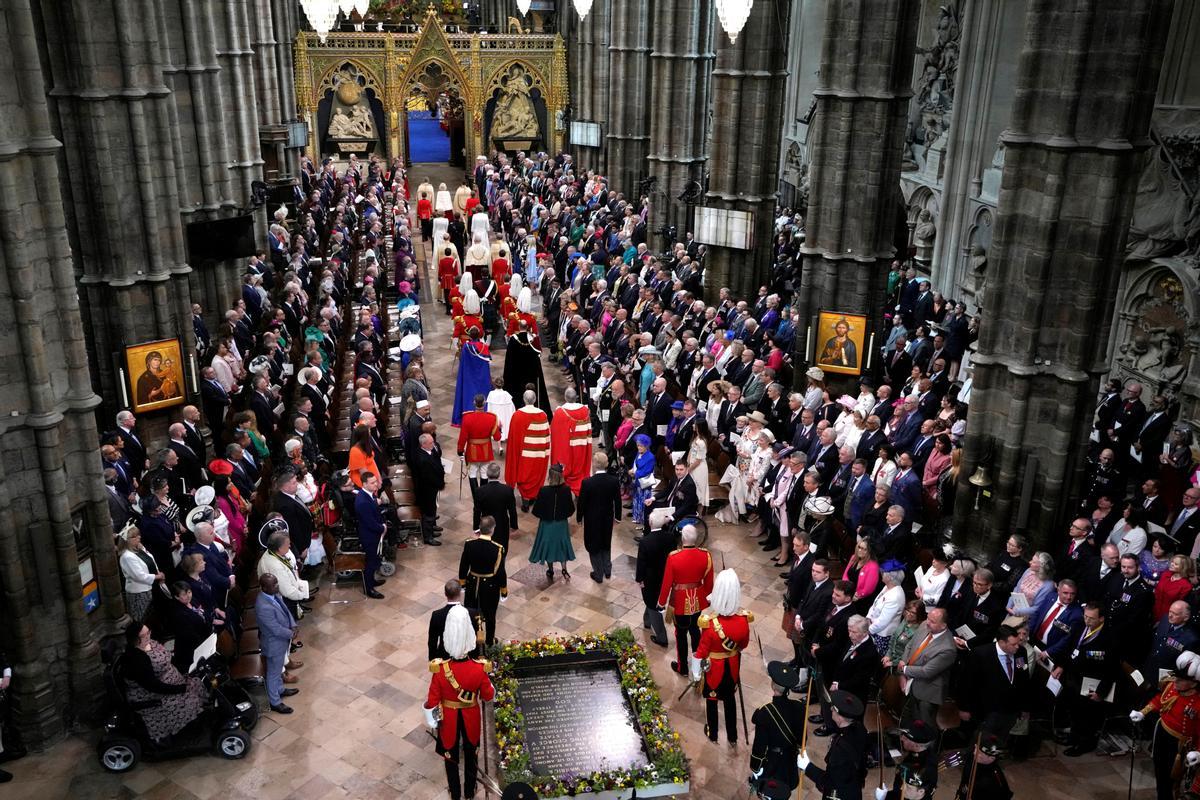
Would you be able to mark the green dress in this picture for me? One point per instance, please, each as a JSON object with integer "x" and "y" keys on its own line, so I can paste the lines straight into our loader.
{"x": 553, "y": 508}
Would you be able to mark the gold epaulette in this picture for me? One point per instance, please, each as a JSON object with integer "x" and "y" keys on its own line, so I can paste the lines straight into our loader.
{"x": 749, "y": 615}
{"x": 487, "y": 665}
{"x": 676, "y": 550}
{"x": 704, "y": 621}
{"x": 436, "y": 664}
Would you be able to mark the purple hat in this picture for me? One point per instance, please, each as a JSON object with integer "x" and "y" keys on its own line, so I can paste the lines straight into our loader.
{"x": 642, "y": 439}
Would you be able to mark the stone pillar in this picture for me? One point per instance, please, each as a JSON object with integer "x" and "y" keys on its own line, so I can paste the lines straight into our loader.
{"x": 1073, "y": 154}
{"x": 681, "y": 74}
{"x": 49, "y": 459}
{"x": 114, "y": 115}
{"x": 240, "y": 112}
{"x": 626, "y": 137}
{"x": 286, "y": 20}
{"x": 589, "y": 87}
{"x": 747, "y": 103}
{"x": 856, "y": 140}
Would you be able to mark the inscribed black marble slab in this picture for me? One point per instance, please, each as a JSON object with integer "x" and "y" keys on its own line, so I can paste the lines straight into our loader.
{"x": 577, "y": 717}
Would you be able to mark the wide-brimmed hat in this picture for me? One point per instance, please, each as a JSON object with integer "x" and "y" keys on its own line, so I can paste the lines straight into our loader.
{"x": 847, "y": 402}
{"x": 718, "y": 385}
{"x": 815, "y": 373}
{"x": 757, "y": 416}
{"x": 820, "y": 506}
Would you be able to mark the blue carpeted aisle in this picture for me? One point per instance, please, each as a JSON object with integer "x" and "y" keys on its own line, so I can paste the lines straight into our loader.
{"x": 427, "y": 142}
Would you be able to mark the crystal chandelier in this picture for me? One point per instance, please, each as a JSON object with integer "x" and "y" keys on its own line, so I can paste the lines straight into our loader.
{"x": 322, "y": 15}
{"x": 362, "y": 7}
{"x": 582, "y": 7}
{"x": 523, "y": 6}
{"x": 346, "y": 6}
{"x": 733, "y": 15}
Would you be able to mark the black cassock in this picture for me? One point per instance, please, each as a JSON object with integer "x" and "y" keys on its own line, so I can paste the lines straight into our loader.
{"x": 523, "y": 365}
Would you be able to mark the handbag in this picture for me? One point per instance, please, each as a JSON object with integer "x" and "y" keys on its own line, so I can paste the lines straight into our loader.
{"x": 648, "y": 482}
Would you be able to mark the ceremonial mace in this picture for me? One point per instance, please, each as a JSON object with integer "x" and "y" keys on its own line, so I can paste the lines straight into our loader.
{"x": 804, "y": 733}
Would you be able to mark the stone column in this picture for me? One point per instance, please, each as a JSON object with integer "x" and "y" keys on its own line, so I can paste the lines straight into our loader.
{"x": 286, "y": 20}
{"x": 627, "y": 136}
{"x": 113, "y": 112}
{"x": 747, "y": 104}
{"x": 856, "y": 140}
{"x": 589, "y": 80}
{"x": 49, "y": 459}
{"x": 240, "y": 112}
{"x": 1073, "y": 153}
{"x": 681, "y": 74}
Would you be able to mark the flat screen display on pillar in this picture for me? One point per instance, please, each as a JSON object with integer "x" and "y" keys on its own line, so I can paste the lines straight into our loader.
{"x": 220, "y": 239}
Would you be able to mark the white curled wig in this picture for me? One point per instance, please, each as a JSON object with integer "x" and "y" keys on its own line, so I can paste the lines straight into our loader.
{"x": 726, "y": 597}
{"x": 471, "y": 302}
{"x": 459, "y": 636}
{"x": 524, "y": 300}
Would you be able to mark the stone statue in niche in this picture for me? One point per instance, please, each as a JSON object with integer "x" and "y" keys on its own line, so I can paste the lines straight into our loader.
{"x": 924, "y": 234}
{"x": 1166, "y": 213}
{"x": 515, "y": 116}
{"x": 1156, "y": 340}
{"x": 933, "y": 94}
{"x": 978, "y": 262}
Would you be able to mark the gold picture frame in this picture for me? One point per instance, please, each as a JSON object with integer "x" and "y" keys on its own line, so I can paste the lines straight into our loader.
{"x": 837, "y": 350}
{"x": 155, "y": 375}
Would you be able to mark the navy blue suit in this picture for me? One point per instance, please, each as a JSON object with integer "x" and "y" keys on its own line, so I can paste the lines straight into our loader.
{"x": 904, "y": 436}
{"x": 906, "y": 492}
{"x": 216, "y": 570}
{"x": 1168, "y": 643}
{"x": 861, "y": 497}
{"x": 370, "y": 531}
{"x": 1059, "y": 639}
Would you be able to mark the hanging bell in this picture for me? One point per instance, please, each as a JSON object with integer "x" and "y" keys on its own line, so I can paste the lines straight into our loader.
{"x": 980, "y": 478}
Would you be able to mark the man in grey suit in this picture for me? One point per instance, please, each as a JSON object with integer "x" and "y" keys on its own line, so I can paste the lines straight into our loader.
{"x": 925, "y": 668}
{"x": 275, "y": 629}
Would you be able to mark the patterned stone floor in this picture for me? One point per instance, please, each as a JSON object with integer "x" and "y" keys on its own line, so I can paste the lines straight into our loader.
{"x": 358, "y": 732}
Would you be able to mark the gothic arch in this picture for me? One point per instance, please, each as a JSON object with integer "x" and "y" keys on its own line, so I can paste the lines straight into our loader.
{"x": 501, "y": 72}
{"x": 372, "y": 79}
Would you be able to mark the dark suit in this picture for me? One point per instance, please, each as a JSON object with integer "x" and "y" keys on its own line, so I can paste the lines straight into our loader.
{"x": 869, "y": 444}
{"x": 859, "y": 497}
{"x": 1071, "y": 563}
{"x": 1185, "y": 529}
{"x": 1129, "y": 610}
{"x": 798, "y": 580}
{"x": 825, "y": 463}
{"x": 1093, "y": 588}
{"x": 1091, "y": 654}
{"x": 215, "y": 401}
{"x": 993, "y": 700}
{"x": 906, "y": 492}
{"x": 299, "y": 521}
{"x": 812, "y": 611}
{"x": 1061, "y": 633}
{"x": 134, "y": 452}
{"x": 651, "y": 565}
{"x": 857, "y": 670}
{"x": 893, "y": 543}
{"x": 264, "y": 415}
{"x": 496, "y": 500}
{"x": 598, "y": 508}
{"x": 679, "y": 494}
{"x": 371, "y": 529}
{"x": 429, "y": 478}
{"x": 190, "y": 467}
{"x": 983, "y": 617}
{"x": 898, "y": 365}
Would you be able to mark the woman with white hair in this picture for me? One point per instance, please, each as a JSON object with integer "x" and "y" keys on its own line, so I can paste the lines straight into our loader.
{"x": 443, "y": 204}
{"x": 456, "y": 686}
{"x": 888, "y": 606}
{"x": 724, "y": 634}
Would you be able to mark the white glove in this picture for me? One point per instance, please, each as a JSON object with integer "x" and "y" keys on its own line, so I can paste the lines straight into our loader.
{"x": 881, "y": 792}
{"x": 1136, "y": 716}
{"x": 503, "y": 599}
{"x": 802, "y": 760}
{"x": 1192, "y": 758}
{"x": 756, "y": 774}
{"x": 812, "y": 547}
{"x": 430, "y": 718}
{"x": 695, "y": 667}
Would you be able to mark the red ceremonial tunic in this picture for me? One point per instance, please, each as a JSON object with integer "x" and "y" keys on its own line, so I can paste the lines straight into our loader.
{"x": 458, "y": 686}
{"x": 687, "y": 580}
{"x": 500, "y": 270}
{"x": 514, "y": 321}
{"x": 722, "y": 640}
{"x": 448, "y": 273}
{"x": 475, "y": 436}
{"x": 463, "y": 324}
{"x": 1179, "y": 714}
{"x": 528, "y": 451}
{"x": 424, "y": 209}
{"x": 571, "y": 443}
{"x": 507, "y": 301}
{"x": 456, "y": 301}
{"x": 471, "y": 205}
